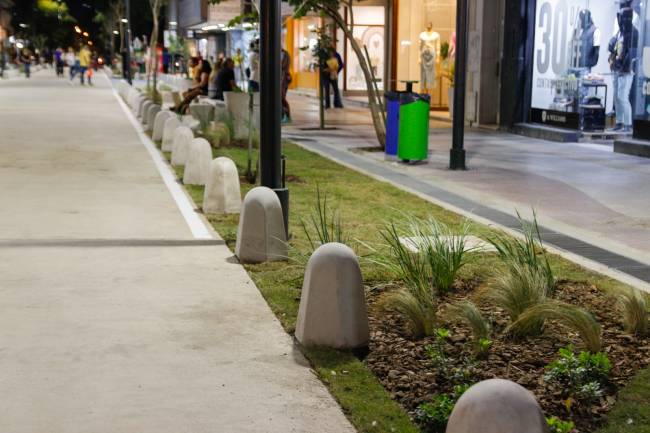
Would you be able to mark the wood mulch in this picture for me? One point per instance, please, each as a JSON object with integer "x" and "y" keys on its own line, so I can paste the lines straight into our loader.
{"x": 406, "y": 371}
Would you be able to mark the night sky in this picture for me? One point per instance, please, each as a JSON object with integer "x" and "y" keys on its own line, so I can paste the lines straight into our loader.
{"x": 83, "y": 11}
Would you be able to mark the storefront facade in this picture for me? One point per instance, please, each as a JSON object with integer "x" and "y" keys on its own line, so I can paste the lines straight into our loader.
{"x": 581, "y": 67}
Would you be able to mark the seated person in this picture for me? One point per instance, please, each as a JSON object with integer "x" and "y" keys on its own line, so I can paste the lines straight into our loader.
{"x": 226, "y": 78}
{"x": 202, "y": 79}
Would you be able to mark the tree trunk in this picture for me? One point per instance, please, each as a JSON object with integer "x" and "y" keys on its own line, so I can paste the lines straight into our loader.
{"x": 154, "y": 53}
{"x": 377, "y": 120}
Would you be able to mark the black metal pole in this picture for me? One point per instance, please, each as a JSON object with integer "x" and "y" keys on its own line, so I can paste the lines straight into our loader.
{"x": 127, "y": 35}
{"x": 457, "y": 152}
{"x": 271, "y": 104}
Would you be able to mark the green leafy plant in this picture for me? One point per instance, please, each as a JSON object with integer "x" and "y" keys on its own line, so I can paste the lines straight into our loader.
{"x": 556, "y": 425}
{"x": 468, "y": 312}
{"x": 576, "y": 318}
{"x": 436, "y": 351}
{"x": 528, "y": 252}
{"x": 433, "y": 416}
{"x": 583, "y": 375}
{"x": 635, "y": 309}
{"x": 323, "y": 226}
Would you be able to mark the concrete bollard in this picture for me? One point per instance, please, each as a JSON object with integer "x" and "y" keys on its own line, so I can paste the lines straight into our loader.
{"x": 183, "y": 136}
{"x": 198, "y": 162}
{"x": 139, "y": 100}
{"x": 159, "y": 124}
{"x": 171, "y": 125}
{"x": 151, "y": 117}
{"x": 332, "y": 310}
{"x": 261, "y": 235}
{"x": 222, "y": 192}
{"x": 133, "y": 94}
{"x": 497, "y": 406}
{"x": 144, "y": 107}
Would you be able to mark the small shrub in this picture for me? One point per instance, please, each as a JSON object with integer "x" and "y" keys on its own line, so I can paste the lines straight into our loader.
{"x": 433, "y": 416}
{"x": 556, "y": 425}
{"x": 527, "y": 253}
{"x": 519, "y": 289}
{"x": 323, "y": 226}
{"x": 583, "y": 375}
{"x": 635, "y": 307}
{"x": 468, "y": 312}
{"x": 576, "y": 318}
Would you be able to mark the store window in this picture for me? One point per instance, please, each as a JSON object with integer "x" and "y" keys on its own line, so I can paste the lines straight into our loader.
{"x": 642, "y": 87}
{"x": 583, "y": 66}
{"x": 369, "y": 32}
{"x": 425, "y": 33}
{"x": 305, "y": 40}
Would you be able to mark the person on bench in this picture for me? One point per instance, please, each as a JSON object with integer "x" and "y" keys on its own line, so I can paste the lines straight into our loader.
{"x": 200, "y": 87}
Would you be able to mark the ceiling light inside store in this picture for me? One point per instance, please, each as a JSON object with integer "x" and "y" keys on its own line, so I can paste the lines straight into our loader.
{"x": 208, "y": 28}
{"x": 115, "y": 32}
{"x": 247, "y": 25}
{"x": 173, "y": 23}
{"x": 124, "y": 20}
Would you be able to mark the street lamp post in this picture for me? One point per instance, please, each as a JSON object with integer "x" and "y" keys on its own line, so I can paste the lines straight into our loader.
{"x": 271, "y": 166}
{"x": 127, "y": 53}
{"x": 457, "y": 152}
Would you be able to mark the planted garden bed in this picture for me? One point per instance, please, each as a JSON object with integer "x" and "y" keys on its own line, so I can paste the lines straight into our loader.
{"x": 426, "y": 373}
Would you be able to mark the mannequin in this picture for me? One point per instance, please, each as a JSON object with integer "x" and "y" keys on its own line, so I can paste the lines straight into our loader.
{"x": 588, "y": 40}
{"x": 429, "y": 49}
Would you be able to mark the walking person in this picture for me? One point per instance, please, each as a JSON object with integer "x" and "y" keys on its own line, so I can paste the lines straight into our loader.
{"x": 84, "y": 63}
{"x": 286, "y": 80}
{"x": 26, "y": 60}
{"x": 72, "y": 59}
{"x": 58, "y": 61}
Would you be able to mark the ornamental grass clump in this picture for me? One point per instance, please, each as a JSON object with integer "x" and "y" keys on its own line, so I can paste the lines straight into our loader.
{"x": 468, "y": 312}
{"x": 635, "y": 309}
{"x": 445, "y": 251}
{"x": 577, "y": 319}
{"x": 323, "y": 225}
{"x": 518, "y": 290}
{"x": 528, "y": 252}
{"x": 429, "y": 268}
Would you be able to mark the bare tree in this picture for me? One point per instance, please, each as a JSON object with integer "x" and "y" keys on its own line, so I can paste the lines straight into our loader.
{"x": 155, "y": 5}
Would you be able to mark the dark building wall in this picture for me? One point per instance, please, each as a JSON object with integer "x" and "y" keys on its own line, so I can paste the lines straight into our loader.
{"x": 192, "y": 12}
{"x": 517, "y": 62}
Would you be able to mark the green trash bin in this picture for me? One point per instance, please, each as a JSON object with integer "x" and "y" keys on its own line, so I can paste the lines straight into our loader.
{"x": 413, "y": 127}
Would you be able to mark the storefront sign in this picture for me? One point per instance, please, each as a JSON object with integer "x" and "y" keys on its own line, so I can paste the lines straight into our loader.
{"x": 561, "y": 119}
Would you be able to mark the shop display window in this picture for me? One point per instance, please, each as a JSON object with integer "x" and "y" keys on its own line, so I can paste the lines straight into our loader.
{"x": 369, "y": 31}
{"x": 425, "y": 40}
{"x": 585, "y": 54}
{"x": 305, "y": 40}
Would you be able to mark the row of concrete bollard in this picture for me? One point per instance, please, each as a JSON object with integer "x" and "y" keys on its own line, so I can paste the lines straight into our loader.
{"x": 332, "y": 311}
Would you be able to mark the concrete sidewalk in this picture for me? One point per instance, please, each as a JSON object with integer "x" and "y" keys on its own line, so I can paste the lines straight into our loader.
{"x": 585, "y": 192}
{"x": 113, "y": 317}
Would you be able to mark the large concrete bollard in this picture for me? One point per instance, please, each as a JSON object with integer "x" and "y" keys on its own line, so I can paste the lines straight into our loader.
{"x": 497, "y": 406}
{"x": 183, "y": 136}
{"x": 159, "y": 124}
{"x": 133, "y": 94}
{"x": 150, "y": 118}
{"x": 222, "y": 192}
{"x": 261, "y": 235}
{"x": 198, "y": 162}
{"x": 171, "y": 125}
{"x": 332, "y": 310}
